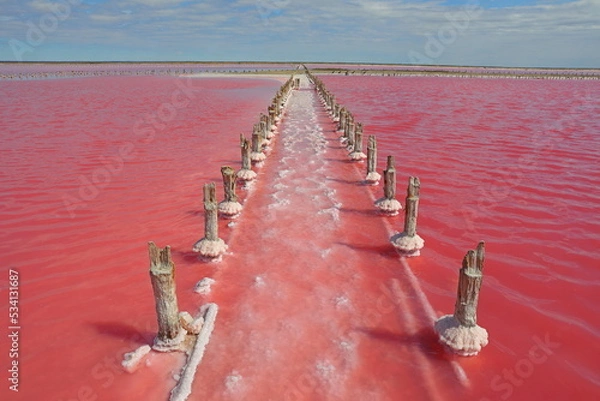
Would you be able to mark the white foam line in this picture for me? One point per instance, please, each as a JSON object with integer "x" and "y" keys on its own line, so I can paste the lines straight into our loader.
{"x": 184, "y": 387}
{"x": 414, "y": 282}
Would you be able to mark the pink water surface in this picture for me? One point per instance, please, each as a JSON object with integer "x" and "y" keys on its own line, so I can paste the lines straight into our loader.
{"x": 87, "y": 180}
{"x": 91, "y": 172}
{"x": 517, "y": 164}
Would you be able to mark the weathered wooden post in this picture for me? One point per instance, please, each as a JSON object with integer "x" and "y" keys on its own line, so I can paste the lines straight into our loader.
{"x": 257, "y": 156}
{"x": 336, "y": 114}
{"x": 351, "y": 130}
{"x": 373, "y": 176}
{"x": 357, "y": 153}
{"x": 272, "y": 117}
{"x": 211, "y": 246}
{"x": 409, "y": 242}
{"x": 389, "y": 204}
{"x": 246, "y": 173}
{"x": 162, "y": 276}
{"x": 342, "y": 122}
{"x": 297, "y": 83}
{"x": 460, "y": 331}
{"x": 229, "y": 207}
{"x": 265, "y": 126}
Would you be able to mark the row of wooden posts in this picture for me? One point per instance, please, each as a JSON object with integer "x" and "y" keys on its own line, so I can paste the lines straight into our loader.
{"x": 408, "y": 241}
{"x": 459, "y": 331}
{"x": 162, "y": 269}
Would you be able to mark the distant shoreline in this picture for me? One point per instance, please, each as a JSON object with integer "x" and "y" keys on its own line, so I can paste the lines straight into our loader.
{"x": 58, "y": 69}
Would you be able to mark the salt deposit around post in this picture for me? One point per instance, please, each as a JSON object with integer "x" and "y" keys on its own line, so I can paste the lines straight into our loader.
{"x": 460, "y": 331}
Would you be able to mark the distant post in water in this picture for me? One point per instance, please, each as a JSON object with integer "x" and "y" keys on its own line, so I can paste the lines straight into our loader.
{"x": 460, "y": 331}
{"x": 389, "y": 204}
{"x": 373, "y": 176}
{"x": 162, "y": 276}
{"x": 229, "y": 207}
{"x": 211, "y": 246}
{"x": 245, "y": 173}
{"x": 409, "y": 242}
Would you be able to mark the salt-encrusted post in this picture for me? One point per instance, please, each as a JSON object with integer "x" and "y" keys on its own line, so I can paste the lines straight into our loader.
{"x": 460, "y": 331}
{"x": 229, "y": 207}
{"x": 349, "y": 138}
{"x": 357, "y": 153}
{"x": 389, "y": 204}
{"x": 246, "y": 173}
{"x": 162, "y": 276}
{"x": 409, "y": 242}
{"x": 342, "y": 122}
{"x": 256, "y": 155}
{"x": 211, "y": 246}
{"x": 373, "y": 176}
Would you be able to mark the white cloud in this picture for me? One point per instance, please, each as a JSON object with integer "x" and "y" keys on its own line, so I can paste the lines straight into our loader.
{"x": 157, "y": 3}
{"x": 107, "y": 18}
{"x": 42, "y": 6}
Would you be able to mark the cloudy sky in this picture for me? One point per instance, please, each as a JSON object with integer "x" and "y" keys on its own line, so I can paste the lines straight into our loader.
{"x": 545, "y": 33}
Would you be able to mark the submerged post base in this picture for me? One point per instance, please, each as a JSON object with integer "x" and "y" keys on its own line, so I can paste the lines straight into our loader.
{"x": 409, "y": 245}
{"x": 388, "y": 206}
{"x": 357, "y": 156}
{"x": 230, "y": 209}
{"x": 246, "y": 175}
{"x": 257, "y": 157}
{"x": 210, "y": 249}
{"x": 170, "y": 345}
{"x": 373, "y": 178}
{"x": 462, "y": 340}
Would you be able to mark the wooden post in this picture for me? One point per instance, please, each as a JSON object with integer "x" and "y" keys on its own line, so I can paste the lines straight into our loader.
{"x": 358, "y": 138}
{"x": 373, "y": 176}
{"x": 351, "y": 127}
{"x": 211, "y": 226}
{"x": 246, "y": 173}
{"x": 389, "y": 204}
{"x": 245, "y": 147}
{"x": 469, "y": 285}
{"x": 211, "y": 246}
{"x": 342, "y": 122}
{"x": 229, "y": 184}
{"x": 357, "y": 153}
{"x": 229, "y": 207}
{"x": 389, "y": 179}
{"x": 409, "y": 242}
{"x": 412, "y": 206}
{"x": 257, "y": 155}
{"x": 162, "y": 276}
{"x": 460, "y": 331}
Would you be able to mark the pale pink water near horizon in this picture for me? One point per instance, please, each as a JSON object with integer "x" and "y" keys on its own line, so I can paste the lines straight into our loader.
{"x": 94, "y": 168}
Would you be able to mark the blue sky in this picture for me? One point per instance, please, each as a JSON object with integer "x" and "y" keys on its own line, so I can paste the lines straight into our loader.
{"x": 542, "y": 33}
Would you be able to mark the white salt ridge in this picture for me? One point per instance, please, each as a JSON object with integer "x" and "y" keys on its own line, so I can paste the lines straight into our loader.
{"x": 184, "y": 387}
